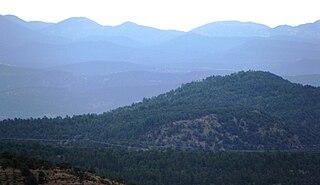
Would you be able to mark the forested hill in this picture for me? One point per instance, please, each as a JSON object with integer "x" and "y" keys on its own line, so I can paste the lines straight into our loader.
{"x": 244, "y": 110}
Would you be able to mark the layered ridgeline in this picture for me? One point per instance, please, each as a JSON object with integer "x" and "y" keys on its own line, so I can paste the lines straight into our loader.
{"x": 245, "y": 110}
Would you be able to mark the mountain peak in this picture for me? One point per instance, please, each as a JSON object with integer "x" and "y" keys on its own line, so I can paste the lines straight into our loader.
{"x": 75, "y": 28}
{"x": 233, "y": 22}
{"x": 14, "y": 18}
{"x": 233, "y": 29}
{"x": 78, "y": 20}
{"x": 128, "y": 25}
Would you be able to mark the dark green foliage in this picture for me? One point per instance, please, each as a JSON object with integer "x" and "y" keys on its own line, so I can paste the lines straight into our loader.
{"x": 64, "y": 165}
{"x": 30, "y": 180}
{"x": 25, "y": 163}
{"x": 42, "y": 177}
{"x": 187, "y": 167}
{"x": 9, "y": 159}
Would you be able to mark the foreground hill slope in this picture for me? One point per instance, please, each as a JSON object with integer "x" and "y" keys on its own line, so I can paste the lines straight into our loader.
{"x": 21, "y": 170}
{"x": 245, "y": 110}
{"x": 176, "y": 167}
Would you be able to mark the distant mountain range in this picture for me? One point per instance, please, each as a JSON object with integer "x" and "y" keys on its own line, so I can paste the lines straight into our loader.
{"x": 242, "y": 111}
{"x": 229, "y": 45}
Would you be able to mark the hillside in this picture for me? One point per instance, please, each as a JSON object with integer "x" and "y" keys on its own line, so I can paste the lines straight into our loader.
{"x": 22, "y": 170}
{"x": 245, "y": 110}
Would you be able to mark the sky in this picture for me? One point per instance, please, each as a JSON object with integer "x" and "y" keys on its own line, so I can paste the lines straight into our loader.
{"x": 166, "y": 14}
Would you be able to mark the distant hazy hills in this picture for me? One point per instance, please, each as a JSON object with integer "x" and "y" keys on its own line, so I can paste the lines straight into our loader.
{"x": 245, "y": 110}
{"x": 229, "y": 45}
{"x": 97, "y": 86}
{"x": 79, "y": 66}
{"x": 313, "y": 80}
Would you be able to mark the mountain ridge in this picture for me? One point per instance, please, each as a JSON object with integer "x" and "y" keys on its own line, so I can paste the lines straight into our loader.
{"x": 243, "y": 28}
{"x": 213, "y": 22}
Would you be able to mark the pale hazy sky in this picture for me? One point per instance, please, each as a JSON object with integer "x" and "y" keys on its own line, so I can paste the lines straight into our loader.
{"x": 167, "y": 14}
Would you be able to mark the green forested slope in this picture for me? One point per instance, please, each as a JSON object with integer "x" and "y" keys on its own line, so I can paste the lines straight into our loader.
{"x": 247, "y": 110}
